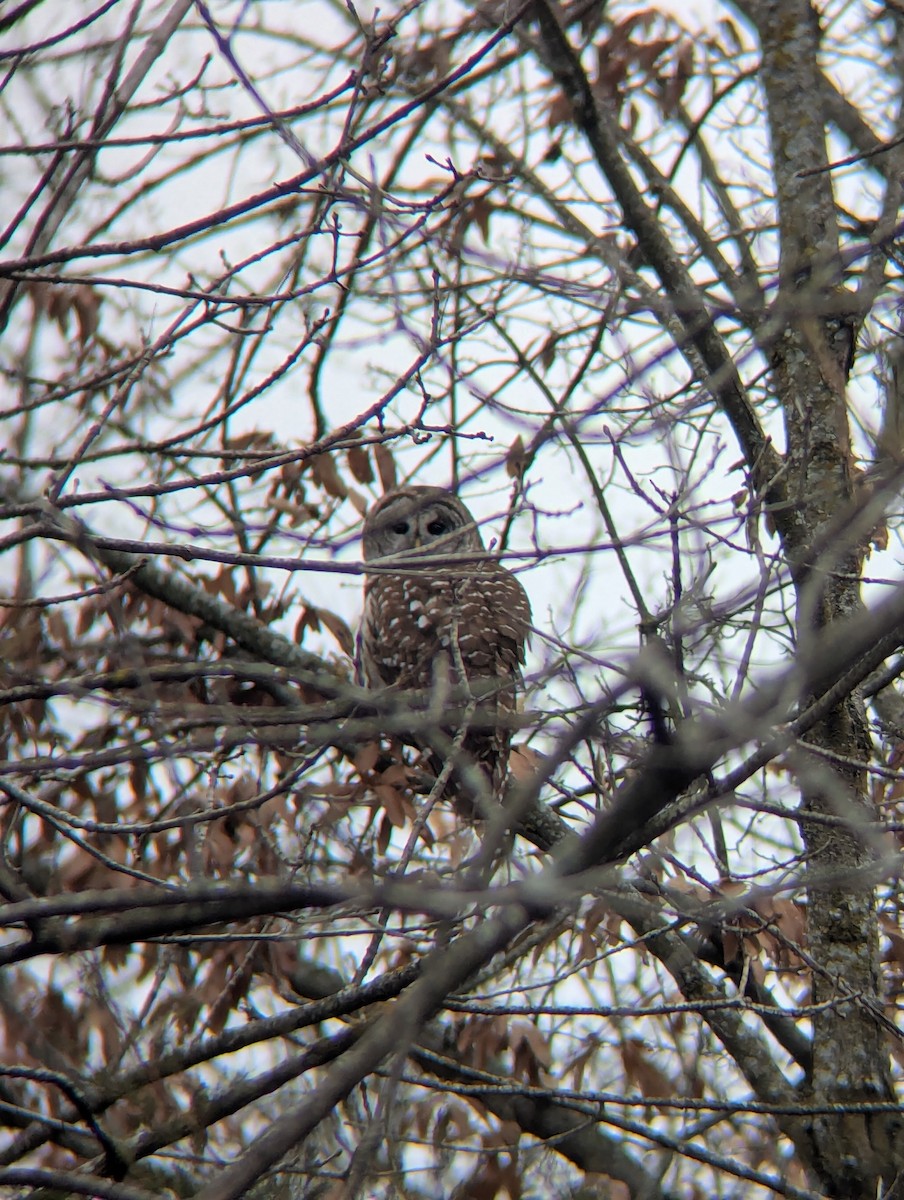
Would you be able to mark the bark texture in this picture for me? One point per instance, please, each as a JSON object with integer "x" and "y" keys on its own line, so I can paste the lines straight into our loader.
{"x": 811, "y": 358}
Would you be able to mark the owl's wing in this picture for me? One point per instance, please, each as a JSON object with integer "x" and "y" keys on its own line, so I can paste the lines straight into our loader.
{"x": 360, "y": 670}
{"x": 495, "y": 622}
{"x": 374, "y": 667}
{"x": 399, "y": 640}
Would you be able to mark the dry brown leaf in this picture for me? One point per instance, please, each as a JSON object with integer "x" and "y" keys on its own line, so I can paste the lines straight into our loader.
{"x": 359, "y": 502}
{"x": 398, "y": 807}
{"x": 453, "y": 1117}
{"x": 309, "y": 619}
{"x": 646, "y": 54}
{"x": 366, "y": 757}
{"x": 559, "y": 111}
{"x": 642, "y": 1072}
{"x": 326, "y": 474}
{"x": 339, "y": 629}
{"x": 86, "y": 303}
{"x": 359, "y": 464}
{"x": 235, "y": 989}
{"x": 386, "y": 467}
{"x": 384, "y": 835}
{"x": 395, "y": 773}
{"x": 479, "y": 212}
{"x": 526, "y": 1033}
{"x": 524, "y": 761}
{"x": 515, "y": 460}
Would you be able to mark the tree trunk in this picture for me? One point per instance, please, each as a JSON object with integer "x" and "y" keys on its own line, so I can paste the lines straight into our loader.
{"x": 811, "y": 360}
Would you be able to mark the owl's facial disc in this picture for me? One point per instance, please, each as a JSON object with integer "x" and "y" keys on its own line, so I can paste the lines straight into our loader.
{"x": 419, "y": 521}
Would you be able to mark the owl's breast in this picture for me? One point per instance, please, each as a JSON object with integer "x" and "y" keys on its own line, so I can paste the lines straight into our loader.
{"x": 406, "y": 623}
{"x": 475, "y": 622}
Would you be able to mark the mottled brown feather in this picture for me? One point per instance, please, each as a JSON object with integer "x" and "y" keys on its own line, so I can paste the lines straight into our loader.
{"x": 414, "y": 620}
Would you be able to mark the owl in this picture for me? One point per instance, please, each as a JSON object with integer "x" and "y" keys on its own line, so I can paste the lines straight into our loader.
{"x": 459, "y": 619}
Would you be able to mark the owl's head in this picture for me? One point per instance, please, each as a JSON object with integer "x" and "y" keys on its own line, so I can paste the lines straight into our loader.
{"x": 419, "y": 518}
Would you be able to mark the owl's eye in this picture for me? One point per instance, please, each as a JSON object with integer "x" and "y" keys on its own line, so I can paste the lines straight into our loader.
{"x": 437, "y": 527}
{"x": 400, "y": 527}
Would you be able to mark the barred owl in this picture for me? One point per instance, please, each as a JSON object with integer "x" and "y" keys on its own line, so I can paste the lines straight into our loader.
{"x": 463, "y": 619}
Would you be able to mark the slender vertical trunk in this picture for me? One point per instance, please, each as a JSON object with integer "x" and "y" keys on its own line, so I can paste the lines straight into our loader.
{"x": 852, "y": 1153}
